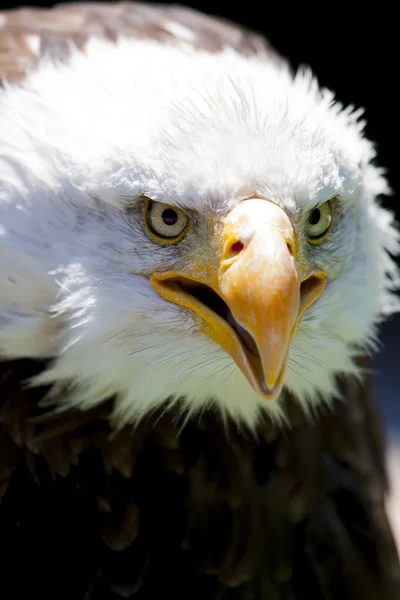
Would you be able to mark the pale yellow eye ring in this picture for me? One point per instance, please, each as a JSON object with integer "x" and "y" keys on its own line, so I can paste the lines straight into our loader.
{"x": 317, "y": 230}
{"x": 156, "y": 216}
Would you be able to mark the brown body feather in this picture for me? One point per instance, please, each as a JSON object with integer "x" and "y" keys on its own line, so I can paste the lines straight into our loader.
{"x": 199, "y": 511}
{"x": 66, "y": 23}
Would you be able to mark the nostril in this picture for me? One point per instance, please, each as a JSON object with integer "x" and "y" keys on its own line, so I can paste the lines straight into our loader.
{"x": 234, "y": 250}
{"x": 236, "y": 247}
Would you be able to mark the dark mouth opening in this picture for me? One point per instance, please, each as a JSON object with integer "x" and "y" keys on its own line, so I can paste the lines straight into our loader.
{"x": 204, "y": 294}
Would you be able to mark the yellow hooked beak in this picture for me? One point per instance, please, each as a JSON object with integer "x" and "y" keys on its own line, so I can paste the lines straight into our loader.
{"x": 251, "y": 296}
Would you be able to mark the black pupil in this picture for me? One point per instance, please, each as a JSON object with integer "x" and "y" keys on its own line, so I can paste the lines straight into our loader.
{"x": 169, "y": 216}
{"x": 315, "y": 216}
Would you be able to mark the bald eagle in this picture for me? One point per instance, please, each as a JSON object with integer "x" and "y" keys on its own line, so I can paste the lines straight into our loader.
{"x": 194, "y": 265}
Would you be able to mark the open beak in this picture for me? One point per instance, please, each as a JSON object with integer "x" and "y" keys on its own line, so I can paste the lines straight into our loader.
{"x": 250, "y": 298}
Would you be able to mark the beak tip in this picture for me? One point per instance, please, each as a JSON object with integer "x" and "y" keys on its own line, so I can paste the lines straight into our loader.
{"x": 272, "y": 381}
{"x": 271, "y": 390}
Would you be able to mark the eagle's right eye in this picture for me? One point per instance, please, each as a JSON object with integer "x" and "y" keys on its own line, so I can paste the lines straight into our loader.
{"x": 165, "y": 223}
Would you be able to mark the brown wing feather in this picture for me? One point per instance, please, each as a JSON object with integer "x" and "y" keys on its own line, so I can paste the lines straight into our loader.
{"x": 28, "y": 34}
{"x": 199, "y": 512}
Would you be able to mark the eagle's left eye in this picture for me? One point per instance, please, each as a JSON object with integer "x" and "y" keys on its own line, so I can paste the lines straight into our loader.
{"x": 319, "y": 223}
{"x": 164, "y": 223}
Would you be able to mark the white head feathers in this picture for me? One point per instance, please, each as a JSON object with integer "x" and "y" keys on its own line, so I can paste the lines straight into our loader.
{"x": 79, "y": 143}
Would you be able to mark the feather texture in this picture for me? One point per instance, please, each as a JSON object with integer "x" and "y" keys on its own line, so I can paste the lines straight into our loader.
{"x": 201, "y": 511}
{"x": 189, "y": 508}
{"x": 29, "y": 34}
{"x": 201, "y": 130}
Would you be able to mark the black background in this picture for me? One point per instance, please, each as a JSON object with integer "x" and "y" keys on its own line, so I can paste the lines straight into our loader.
{"x": 353, "y": 52}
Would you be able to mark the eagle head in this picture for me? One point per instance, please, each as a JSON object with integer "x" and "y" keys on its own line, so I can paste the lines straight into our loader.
{"x": 185, "y": 226}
